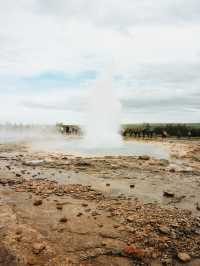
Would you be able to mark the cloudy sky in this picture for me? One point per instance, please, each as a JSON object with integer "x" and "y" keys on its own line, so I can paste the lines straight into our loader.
{"x": 52, "y": 51}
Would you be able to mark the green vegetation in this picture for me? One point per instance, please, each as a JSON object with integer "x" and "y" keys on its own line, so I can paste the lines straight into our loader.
{"x": 161, "y": 129}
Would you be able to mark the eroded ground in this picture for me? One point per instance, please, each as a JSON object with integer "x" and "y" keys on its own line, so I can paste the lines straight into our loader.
{"x": 57, "y": 209}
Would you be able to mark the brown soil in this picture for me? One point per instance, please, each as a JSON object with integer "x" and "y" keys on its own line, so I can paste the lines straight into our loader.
{"x": 57, "y": 209}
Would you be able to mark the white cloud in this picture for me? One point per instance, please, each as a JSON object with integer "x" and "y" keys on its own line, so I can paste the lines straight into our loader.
{"x": 154, "y": 44}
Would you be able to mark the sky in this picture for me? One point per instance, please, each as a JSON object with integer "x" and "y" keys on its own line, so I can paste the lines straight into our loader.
{"x": 53, "y": 51}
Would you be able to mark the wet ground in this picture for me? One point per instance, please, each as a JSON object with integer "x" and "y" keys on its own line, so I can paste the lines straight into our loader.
{"x": 61, "y": 209}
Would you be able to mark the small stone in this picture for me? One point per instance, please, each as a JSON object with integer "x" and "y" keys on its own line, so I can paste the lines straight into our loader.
{"x": 18, "y": 238}
{"x": 103, "y": 243}
{"x": 107, "y": 184}
{"x": 59, "y": 207}
{"x": 116, "y": 226}
{"x": 144, "y": 157}
{"x": 132, "y": 186}
{"x": 79, "y": 214}
{"x": 166, "y": 261}
{"x": 18, "y": 232}
{"x": 168, "y": 194}
{"x": 37, "y": 202}
{"x": 198, "y": 206}
{"x": 38, "y": 247}
{"x": 100, "y": 225}
{"x": 164, "y": 230}
{"x": 63, "y": 220}
{"x": 184, "y": 257}
{"x": 84, "y": 205}
{"x": 133, "y": 251}
{"x": 130, "y": 218}
{"x": 164, "y": 162}
{"x": 94, "y": 213}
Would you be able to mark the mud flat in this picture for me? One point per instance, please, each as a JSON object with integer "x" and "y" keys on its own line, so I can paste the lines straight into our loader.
{"x": 58, "y": 209}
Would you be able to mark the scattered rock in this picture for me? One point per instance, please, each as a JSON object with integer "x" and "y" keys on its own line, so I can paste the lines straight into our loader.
{"x": 18, "y": 232}
{"x": 38, "y": 247}
{"x": 37, "y": 202}
{"x": 168, "y": 194}
{"x": 59, "y": 206}
{"x": 184, "y": 257}
{"x": 84, "y": 205}
{"x": 133, "y": 251}
{"x": 3, "y": 181}
{"x": 130, "y": 218}
{"x": 18, "y": 238}
{"x": 164, "y": 162}
{"x": 94, "y": 213}
{"x": 132, "y": 186}
{"x": 63, "y": 219}
{"x": 79, "y": 214}
{"x": 100, "y": 225}
{"x": 198, "y": 206}
{"x": 144, "y": 157}
{"x": 164, "y": 230}
{"x": 107, "y": 184}
{"x": 116, "y": 226}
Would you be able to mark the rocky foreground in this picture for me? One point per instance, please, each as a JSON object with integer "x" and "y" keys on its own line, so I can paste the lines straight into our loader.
{"x": 58, "y": 209}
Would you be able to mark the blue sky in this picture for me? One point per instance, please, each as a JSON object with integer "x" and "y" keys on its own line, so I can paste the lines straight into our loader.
{"x": 51, "y": 53}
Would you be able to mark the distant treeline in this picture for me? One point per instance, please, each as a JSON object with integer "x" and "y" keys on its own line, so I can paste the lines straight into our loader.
{"x": 128, "y": 130}
{"x": 164, "y": 130}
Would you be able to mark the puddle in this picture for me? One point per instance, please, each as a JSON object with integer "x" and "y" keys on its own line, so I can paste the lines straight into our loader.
{"x": 109, "y": 186}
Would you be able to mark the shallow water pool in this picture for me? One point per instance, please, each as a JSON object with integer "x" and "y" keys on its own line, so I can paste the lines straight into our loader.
{"x": 126, "y": 148}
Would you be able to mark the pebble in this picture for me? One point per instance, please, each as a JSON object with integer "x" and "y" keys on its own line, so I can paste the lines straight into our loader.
{"x": 63, "y": 220}
{"x": 164, "y": 230}
{"x": 168, "y": 194}
{"x": 59, "y": 207}
{"x": 38, "y": 247}
{"x": 184, "y": 257}
{"x": 37, "y": 202}
{"x": 130, "y": 218}
{"x": 84, "y": 205}
{"x": 100, "y": 225}
{"x": 132, "y": 186}
{"x": 198, "y": 206}
{"x": 18, "y": 238}
{"x": 144, "y": 157}
{"x": 116, "y": 226}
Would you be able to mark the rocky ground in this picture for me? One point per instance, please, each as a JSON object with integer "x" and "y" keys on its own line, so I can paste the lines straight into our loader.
{"x": 57, "y": 209}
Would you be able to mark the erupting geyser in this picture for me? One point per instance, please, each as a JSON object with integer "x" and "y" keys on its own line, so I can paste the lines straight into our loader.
{"x": 104, "y": 115}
